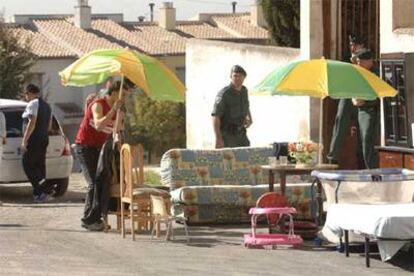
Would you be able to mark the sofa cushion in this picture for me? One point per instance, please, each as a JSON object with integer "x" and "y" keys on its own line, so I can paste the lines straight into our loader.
{"x": 235, "y": 166}
{"x": 299, "y": 196}
{"x": 237, "y": 195}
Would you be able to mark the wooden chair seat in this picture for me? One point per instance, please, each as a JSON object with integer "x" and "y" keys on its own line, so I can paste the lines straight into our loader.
{"x": 146, "y": 192}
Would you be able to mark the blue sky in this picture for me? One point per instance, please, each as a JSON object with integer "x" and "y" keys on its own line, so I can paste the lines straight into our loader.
{"x": 130, "y": 8}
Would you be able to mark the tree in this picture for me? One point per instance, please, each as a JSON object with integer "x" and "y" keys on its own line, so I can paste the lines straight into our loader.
{"x": 158, "y": 125}
{"x": 283, "y": 19}
{"x": 16, "y": 59}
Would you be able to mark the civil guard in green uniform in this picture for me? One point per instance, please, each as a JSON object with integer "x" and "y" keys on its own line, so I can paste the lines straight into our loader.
{"x": 368, "y": 115}
{"x": 231, "y": 112}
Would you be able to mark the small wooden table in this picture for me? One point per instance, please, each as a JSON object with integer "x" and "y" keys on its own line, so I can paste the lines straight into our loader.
{"x": 291, "y": 169}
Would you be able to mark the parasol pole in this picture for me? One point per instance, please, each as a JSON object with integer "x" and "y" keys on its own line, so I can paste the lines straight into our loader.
{"x": 320, "y": 132}
{"x": 118, "y": 119}
{"x": 122, "y": 86}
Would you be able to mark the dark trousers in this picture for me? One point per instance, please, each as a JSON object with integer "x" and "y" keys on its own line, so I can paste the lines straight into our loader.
{"x": 345, "y": 113}
{"x": 88, "y": 160}
{"x": 235, "y": 139}
{"x": 369, "y": 125}
{"x": 34, "y": 164}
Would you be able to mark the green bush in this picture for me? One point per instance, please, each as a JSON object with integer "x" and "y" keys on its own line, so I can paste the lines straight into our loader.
{"x": 157, "y": 125}
{"x": 152, "y": 178}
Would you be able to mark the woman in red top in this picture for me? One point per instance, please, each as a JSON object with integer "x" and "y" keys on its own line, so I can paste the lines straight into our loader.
{"x": 96, "y": 127}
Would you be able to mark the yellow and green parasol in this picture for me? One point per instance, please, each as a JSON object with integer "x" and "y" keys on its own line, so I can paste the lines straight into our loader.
{"x": 148, "y": 73}
{"x": 322, "y": 78}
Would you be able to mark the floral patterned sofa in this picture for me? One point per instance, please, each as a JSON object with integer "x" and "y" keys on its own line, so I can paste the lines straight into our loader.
{"x": 220, "y": 185}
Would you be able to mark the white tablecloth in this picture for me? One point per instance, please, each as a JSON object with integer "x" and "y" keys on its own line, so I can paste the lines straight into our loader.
{"x": 386, "y": 221}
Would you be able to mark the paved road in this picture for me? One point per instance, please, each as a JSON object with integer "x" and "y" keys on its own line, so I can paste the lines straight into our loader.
{"x": 46, "y": 239}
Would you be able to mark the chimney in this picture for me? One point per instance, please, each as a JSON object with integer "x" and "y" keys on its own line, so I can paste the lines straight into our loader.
{"x": 256, "y": 14}
{"x": 83, "y": 16}
{"x": 152, "y": 11}
{"x": 167, "y": 16}
{"x": 234, "y": 3}
{"x": 141, "y": 18}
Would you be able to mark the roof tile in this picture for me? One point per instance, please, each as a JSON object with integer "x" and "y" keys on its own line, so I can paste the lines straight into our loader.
{"x": 203, "y": 30}
{"x": 40, "y": 44}
{"x": 63, "y": 32}
{"x": 239, "y": 24}
{"x": 58, "y": 37}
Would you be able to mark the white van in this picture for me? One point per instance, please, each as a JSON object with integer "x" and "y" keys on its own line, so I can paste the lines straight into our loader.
{"x": 59, "y": 159}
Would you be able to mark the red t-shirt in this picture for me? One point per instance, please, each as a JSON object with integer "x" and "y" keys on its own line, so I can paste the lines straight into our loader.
{"x": 88, "y": 135}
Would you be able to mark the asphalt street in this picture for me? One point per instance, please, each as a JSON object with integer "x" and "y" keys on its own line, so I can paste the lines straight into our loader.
{"x": 47, "y": 239}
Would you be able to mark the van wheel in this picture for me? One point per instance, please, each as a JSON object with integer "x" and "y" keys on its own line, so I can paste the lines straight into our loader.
{"x": 58, "y": 187}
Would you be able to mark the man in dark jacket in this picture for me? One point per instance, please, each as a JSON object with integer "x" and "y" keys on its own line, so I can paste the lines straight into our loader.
{"x": 368, "y": 115}
{"x": 231, "y": 112}
{"x": 346, "y": 111}
{"x": 36, "y": 122}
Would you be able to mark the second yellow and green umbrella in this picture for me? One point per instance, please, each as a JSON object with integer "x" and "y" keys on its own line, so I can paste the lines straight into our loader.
{"x": 321, "y": 78}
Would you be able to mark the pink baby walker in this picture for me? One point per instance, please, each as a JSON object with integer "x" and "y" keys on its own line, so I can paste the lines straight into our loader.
{"x": 274, "y": 206}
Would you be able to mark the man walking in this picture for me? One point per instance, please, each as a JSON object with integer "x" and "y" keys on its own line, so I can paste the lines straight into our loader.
{"x": 231, "y": 112}
{"x": 36, "y": 122}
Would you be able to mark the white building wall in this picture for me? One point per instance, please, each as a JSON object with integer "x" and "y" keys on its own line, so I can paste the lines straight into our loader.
{"x": 208, "y": 64}
{"x": 396, "y": 26}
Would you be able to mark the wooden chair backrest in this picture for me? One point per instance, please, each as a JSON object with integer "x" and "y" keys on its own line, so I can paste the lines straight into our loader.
{"x": 132, "y": 168}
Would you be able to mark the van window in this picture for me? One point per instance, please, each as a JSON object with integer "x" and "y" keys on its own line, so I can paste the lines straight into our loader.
{"x": 14, "y": 123}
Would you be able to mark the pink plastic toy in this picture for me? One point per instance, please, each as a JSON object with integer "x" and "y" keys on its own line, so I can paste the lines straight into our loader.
{"x": 274, "y": 240}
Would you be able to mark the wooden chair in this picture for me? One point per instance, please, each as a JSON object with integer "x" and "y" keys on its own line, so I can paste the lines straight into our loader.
{"x": 139, "y": 209}
{"x": 160, "y": 209}
{"x": 133, "y": 192}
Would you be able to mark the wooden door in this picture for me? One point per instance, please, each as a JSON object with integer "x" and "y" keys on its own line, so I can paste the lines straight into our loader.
{"x": 359, "y": 17}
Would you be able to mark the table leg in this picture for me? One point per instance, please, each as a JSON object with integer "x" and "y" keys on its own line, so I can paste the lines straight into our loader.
{"x": 271, "y": 181}
{"x": 367, "y": 251}
{"x": 282, "y": 176}
{"x": 346, "y": 234}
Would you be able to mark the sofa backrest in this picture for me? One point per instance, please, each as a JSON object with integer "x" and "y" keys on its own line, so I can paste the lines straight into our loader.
{"x": 227, "y": 166}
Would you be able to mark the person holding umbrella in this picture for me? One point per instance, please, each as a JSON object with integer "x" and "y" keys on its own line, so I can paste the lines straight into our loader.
{"x": 231, "y": 112}
{"x": 368, "y": 115}
{"x": 346, "y": 111}
{"x": 96, "y": 127}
